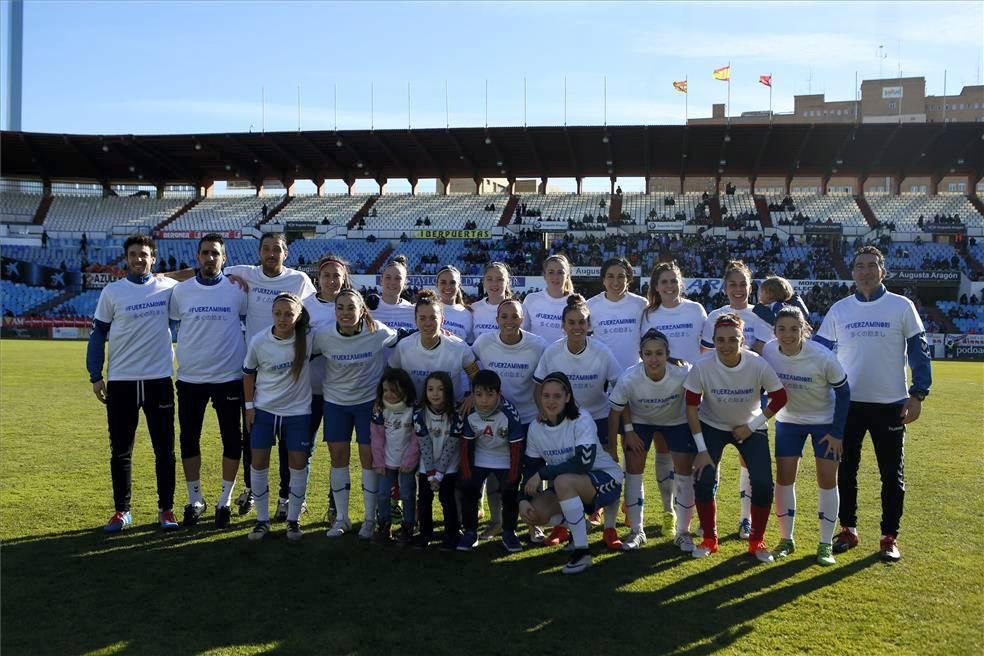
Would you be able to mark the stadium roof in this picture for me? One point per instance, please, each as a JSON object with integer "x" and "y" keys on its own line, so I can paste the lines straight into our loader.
{"x": 925, "y": 149}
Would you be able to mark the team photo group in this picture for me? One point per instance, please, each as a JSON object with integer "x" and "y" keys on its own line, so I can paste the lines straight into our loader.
{"x": 546, "y": 408}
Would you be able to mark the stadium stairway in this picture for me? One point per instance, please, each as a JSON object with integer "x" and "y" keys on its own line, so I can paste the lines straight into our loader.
{"x": 714, "y": 202}
{"x": 615, "y": 210}
{"x": 972, "y": 261}
{"x": 362, "y": 212}
{"x": 42, "y": 211}
{"x": 940, "y": 317}
{"x": 866, "y": 211}
{"x": 975, "y": 200}
{"x": 762, "y": 207}
{"x": 275, "y": 211}
{"x": 181, "y": 210}
{"x": 383, "y": 257}
{"x": 508, "y": 211}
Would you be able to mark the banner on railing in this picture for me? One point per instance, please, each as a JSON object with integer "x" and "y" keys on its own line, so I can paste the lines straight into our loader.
{"x": 99, "y": 280}
{"x": 937, "y": 277}
{"x": 452, "y": 234}
{"x": 196, "y": 234}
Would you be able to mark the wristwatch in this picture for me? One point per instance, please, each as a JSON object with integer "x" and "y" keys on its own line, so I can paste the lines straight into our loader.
{"x": 919, "y": 395}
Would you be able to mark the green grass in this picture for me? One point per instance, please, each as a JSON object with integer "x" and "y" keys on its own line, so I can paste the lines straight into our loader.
{"x": 67, "y": 589}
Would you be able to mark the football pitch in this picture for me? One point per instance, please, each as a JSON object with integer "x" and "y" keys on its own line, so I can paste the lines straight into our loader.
{"x": 69, "y": 589}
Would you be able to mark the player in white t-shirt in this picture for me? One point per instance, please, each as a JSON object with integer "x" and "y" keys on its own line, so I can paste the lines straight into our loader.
{"x": 428, "y": 350}
{"x": 132, "y": 314}
{"x": 354, "y": 359}
{"x": 264, "y": 282}
{"x": 681, "y": 320}
{"x": 458, "y": 318}
{"x": 543, "y": 310}
{"x": 592, "y": 369}
{"x": 875, "y": 333}
{"x": 497, "y": 283}
{"x": 738, "y": 287}
{"x": 724, "y": 407}
{"x": 562, "y": 447}
{"x": 649, "y": 397}
{"x": 277, "y": 392}
{"x": 390, "y": 307}
{"x": 210, "y": 354}
{"x": 616, "y": 312}
{"x": 819, "y": 397}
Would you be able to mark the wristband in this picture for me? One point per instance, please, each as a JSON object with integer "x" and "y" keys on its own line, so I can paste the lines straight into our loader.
{"x": 438, "y": 476}
{"x": 699, "y": 441}
{"x": 758, "y": 423}
{"x": 249, "y": 405}
{"x": 629, "y": 428}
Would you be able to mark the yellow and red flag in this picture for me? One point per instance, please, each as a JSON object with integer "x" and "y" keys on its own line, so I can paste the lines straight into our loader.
{"x": 766, "y": 80}
{"x": 680, "y": 86}
{"x": 723, "y": 73}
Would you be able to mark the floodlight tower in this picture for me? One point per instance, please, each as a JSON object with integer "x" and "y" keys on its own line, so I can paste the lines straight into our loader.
{"x": 15, "y": 63}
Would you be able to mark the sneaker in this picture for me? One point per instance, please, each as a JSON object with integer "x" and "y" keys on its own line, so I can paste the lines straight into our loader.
{"x": 597, "y": 517}
{"x": 368, "y": 527}
{"x": 511, "y": 542}
{"x": 537, "y": 536}
{"x": 825, "y": 554}
{"x": 889, "y": 550}
{"x": 168, "y": 521}
{"x": 492, "y": 530}
{"x": 303, "y": 507}
{"x": 557, "y": 535}
{"x": 421, "y": 541}
{"x": 784, "y": 549}
{"x": 580, "y": 561}
{"x": 468, "y": 541}
{"x": 705, "y": 548}
{"x": 612, "y": 541}
{"x": 294, "y": 532}
{"x": 118, "y": 522}
{"x": 760, "y": 551}
{"x": 685, "y": 541}
{"x": 332, "y": 513}
{"x": 281, "y": 514}
{"x": 450, "y": 542}
{"x": 668, "y": 523}
{"x": 245, "y": 501}
{"x": 223, "y": 517}
{"x": 396, "y": 512}
{"x": 259, "y": 531}
{"x": 382, "y": 534}
{"x": 404, "y": 536}
{"x": 845, "y": 540}
{"x": 193, "y": 512}
{"x": 744, "y": 529}
{"x": 634, "y": 541}
{"x": 339, "y": 528}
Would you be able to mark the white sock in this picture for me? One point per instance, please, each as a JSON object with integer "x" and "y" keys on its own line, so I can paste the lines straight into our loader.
{"x": 683, "y": 502}
{"x": 745, "y": 494}
{"x": 786, "y": 510}
{"x": 370, "y": 484}
{"x": 225, "y": 498}
{"x": 298, "y": 490}
{"x": 574, "y": 516}
{"x": 340, "y": 481}
{"x": 828, "y": 506}
{"x": 664, "y": 476}
{"x": 611, "y": 513}
{"x": 195, "y": 492}
{"x": 634, "y": 500}
{"x": 260, "y": 478}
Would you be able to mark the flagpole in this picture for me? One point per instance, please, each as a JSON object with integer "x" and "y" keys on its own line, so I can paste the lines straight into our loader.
{"x": 686, "y": 100}
{"x": 944, "y": 95}
{"x": 770, "y": 98}
{"x": 727, "y": 107}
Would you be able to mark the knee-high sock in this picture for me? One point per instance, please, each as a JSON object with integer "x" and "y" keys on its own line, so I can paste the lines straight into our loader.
{"x": 786, "y": 510}
{"x": 683, "y": 502}
{"x": 829, "y": 504}
{"x": 760, "y": 519}
{"x": 260, "y": 478}
{"x": 745, "y": 493}
{"x": 340, "y": 481}
{"x": 298, "y": 491}
{"x": 225, "y": 497}
{"x": 634, "y": 500}
{"x": 370, "y": 488}
{"x": 194, "y": 492}
{"x": 664, "y": 476}
{"x": 707, "y": 511}
{"x": 611, "y": 513}
{"x": 574, "y": 516}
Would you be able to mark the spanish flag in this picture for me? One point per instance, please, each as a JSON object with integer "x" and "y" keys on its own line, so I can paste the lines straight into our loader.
{"x": 723, "y": 73}
{"x": 680, "y": 86}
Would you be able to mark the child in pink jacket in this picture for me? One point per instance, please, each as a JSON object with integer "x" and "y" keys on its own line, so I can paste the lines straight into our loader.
{"x": 395, "y": 452}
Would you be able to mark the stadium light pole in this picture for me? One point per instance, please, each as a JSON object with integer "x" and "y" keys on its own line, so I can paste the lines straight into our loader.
{"x": 15, "y": 64}
{"x": 447, "y": 118}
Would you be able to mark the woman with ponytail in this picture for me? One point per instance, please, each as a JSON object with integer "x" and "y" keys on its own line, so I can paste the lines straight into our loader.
{"x": 497, "y": 282}
{"x": 680, "y": 319}
{"x": 389, "y": 307}
{"x": 544, "y": 309}
{"x": 457, "y": 315}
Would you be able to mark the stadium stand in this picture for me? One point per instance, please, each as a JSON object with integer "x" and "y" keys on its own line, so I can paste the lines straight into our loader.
{"x": 905, "y": 210}
{"x": 81, "y": 214}
{"x": 566, "y": 207}
{"x": 741, "y": 213}
{"x": 83, "y": 305}
{"x": 18, "y": 299}
{"x": 68, "y": 253}
{"x": 309, "y": 210}
{"x": 17, "y": 207}
{"x": 224, "y": 214}
{"x": 818, "y": 208}
{"x": 967, "y": 317}
{"x": 452, "y": 212}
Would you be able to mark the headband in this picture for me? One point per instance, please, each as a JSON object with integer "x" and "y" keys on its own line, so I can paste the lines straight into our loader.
{"x": 331, "y": 260}
{"x": 454, "y": 272}
{"x": 652, "y": 333}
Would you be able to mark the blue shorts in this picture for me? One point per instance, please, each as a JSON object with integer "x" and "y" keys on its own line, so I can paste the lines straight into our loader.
{"x": 677, "y": 438}
{"x": 295, "y": 431}
{"x": 602, "y": 426}
{"x": 607, "y": 490}
{"x": 790, "y": 439}
{"x": 341, "y": 420}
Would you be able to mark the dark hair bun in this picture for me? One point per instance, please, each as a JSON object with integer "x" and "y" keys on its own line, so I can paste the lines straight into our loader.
{"x": 575, "y": 300}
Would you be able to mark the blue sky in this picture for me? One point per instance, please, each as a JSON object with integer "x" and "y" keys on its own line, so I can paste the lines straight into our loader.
{"x": 174, "y": 67}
